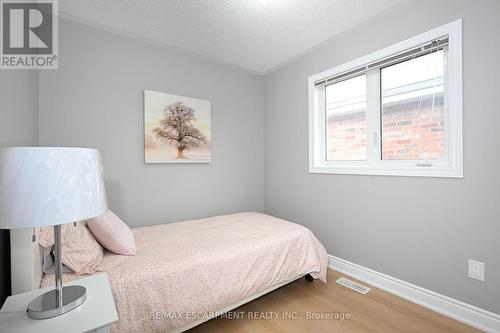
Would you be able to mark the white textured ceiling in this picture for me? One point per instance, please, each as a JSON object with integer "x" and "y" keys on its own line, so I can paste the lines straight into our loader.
{"x": 247, "y": 33}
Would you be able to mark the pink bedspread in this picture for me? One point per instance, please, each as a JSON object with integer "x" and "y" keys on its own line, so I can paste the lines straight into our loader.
{"x": 186, "y": 270}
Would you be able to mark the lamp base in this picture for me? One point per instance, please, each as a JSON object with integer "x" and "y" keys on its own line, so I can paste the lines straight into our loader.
{"x": 45, "y": 306}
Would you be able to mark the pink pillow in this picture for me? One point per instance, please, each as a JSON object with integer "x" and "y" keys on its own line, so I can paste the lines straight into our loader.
{"x": 79, "y": 249}
{"x": 112, "y": 233}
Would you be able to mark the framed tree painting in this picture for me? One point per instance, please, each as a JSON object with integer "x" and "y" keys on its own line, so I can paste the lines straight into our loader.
{"x": 177, "y": 129}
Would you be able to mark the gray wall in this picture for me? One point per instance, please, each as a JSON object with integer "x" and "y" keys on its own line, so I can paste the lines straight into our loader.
{"x": 95, "y": 99}
{"x": 420, "y": 230}
{"x": 18, "y": 108}
{"x": 18, "y": 127}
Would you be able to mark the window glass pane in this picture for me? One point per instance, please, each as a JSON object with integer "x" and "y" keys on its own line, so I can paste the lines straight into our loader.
{"x": 413, "y": 109}
{"x": 346, "y": 120}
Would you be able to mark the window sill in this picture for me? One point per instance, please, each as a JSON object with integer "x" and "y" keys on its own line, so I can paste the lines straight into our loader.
{"x": 442, "y": 172}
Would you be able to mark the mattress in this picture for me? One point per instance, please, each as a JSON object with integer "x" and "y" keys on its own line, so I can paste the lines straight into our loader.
{"x": 186, "y": 271}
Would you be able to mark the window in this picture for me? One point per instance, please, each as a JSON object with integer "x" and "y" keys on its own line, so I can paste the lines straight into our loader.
{"x": 413, "y": 109}
{"x": 346, "y": 120}
{"x": 397, "y": 111}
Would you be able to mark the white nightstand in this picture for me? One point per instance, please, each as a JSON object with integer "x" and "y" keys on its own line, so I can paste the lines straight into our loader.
{"x": 95, "y": 315}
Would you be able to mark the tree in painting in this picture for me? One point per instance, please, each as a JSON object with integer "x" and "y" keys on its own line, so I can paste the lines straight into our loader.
{"x": 176, "y": 127}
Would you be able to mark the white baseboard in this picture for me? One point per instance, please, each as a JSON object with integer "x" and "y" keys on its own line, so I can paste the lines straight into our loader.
{"x": 466, "y": 313}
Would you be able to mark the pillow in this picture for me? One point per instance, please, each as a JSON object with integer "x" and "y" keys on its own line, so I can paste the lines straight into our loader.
{"x": 79, "y": 249}
{"x": 48, "y": 265}
{"x": 112, "y": 233}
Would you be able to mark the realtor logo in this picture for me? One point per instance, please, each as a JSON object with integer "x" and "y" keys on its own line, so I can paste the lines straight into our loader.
{"x": 29, "y": 36}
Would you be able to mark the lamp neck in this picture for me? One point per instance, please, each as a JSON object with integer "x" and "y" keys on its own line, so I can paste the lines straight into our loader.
{"x": 58, "y": 264}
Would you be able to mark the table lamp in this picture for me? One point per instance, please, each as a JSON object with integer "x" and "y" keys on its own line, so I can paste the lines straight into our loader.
{"x": 45, "y": 186}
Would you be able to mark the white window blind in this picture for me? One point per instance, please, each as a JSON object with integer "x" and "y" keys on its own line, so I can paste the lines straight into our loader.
{"x": 429, "y": 47}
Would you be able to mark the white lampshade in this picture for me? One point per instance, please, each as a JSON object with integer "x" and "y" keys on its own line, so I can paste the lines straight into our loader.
{"x": 42, "y": 186}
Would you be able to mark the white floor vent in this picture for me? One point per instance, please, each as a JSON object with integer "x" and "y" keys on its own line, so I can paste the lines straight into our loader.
{"x": 353, "y": 285}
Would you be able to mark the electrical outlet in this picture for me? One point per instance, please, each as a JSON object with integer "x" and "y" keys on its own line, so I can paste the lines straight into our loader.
{"x": 476, "y": 270}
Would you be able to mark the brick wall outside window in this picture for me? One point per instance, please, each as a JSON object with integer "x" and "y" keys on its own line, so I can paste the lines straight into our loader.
{"x": 346, "y": 137}
{"x": 413, "y": 130}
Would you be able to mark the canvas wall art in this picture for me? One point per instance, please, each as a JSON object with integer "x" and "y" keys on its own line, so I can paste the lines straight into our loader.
{"x": 177, "y": 129}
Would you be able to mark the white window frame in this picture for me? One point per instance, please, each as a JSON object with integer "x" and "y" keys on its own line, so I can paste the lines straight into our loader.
{"x": 452, "y": 166}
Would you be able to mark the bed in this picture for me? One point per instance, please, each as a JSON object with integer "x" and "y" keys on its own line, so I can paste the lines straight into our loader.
{"x": 188, "y": 272}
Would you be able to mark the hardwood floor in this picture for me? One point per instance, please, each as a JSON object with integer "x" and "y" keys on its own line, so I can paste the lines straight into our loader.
{"x": 377, "y": 311}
